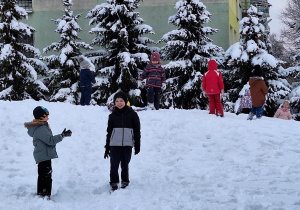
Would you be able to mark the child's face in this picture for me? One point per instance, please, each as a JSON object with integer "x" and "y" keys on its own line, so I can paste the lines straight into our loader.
{"x": 120, "y": 103}
{"x": 46, "y": 118}
{"x": 285, "y": 106}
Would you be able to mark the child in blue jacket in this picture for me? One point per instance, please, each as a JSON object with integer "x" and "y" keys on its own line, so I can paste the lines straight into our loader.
{"x": 86, "y": 81}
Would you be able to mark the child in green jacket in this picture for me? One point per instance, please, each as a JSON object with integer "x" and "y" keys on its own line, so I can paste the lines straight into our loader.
{"x": 44, "y": 148}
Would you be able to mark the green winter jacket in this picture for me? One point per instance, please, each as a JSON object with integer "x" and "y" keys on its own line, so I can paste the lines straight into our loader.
{"x": 43, "y": 141}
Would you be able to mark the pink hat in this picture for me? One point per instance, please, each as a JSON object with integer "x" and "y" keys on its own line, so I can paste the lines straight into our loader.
{"x": 155, "y": 56}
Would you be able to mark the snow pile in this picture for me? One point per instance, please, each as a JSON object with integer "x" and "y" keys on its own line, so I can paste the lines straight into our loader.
{"x": 188, "y": 160}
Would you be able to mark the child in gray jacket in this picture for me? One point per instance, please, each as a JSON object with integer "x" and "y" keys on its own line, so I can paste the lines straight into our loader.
{"x": 44, "y": 143}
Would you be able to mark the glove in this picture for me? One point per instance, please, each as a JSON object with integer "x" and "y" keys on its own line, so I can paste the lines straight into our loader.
{"x": 136, "y": 150}
{"x": 163, "y": 86}
{"x": 106, "y": 153}
{"x": 205, "y": 94}
{"x": 66, "y": 133}
{"x": 141, "y": 84}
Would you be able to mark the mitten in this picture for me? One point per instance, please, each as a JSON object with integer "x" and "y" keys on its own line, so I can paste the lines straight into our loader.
{"x": 106, "y": 153}
{"x": 66, "y": 133}
{"x": 163, "y": 86}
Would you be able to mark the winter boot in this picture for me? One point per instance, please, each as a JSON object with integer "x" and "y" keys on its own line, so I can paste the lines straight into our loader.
{"x": 124, "y": 184}
{"x": 113, "y": 186}
{"x": 250, "y": 116}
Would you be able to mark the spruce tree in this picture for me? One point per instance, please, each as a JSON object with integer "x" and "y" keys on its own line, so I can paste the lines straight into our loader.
{"x": 189, "y": 49}
{"x": 19, "y": 69}
{"x": 65, "y": 70}
{"x": 119, "y": 29}
{"x": 241, "y": 58}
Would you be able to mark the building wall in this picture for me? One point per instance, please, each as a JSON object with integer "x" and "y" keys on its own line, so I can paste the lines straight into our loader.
{"x": 234, "y": 21}
{"x": 154, "y": 12}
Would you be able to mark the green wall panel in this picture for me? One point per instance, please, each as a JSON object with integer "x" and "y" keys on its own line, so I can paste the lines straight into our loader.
{"x": 155, "y": 16}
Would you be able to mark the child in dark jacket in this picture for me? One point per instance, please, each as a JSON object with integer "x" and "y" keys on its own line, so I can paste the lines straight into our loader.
{"x": 123, "y": 133}
{"x": 86, "y": 81}
{"x": 44, "y": 143}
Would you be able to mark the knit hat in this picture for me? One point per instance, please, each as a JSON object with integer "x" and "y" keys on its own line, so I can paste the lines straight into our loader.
{"x": 257, "y": 71}
{"x": 120, "y": 95}
{"x": 84, "y": 64}
{"x": 155, "y": 56}
{"x": 212, "y": 65}
{"x": 40, "y": 112}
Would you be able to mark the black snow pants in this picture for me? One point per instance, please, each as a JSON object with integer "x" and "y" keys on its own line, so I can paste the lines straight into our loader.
{"x": 119, "y": 155}
{"x": 44, "y": 183}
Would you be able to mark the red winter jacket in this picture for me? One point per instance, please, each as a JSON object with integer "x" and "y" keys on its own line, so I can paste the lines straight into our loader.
{"x": 212, "y": 82}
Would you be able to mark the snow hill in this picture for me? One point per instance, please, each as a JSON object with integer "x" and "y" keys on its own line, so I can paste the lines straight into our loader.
{"x": 188, "y": 160}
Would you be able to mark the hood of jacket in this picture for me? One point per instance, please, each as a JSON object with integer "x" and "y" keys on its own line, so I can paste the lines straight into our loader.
{"x": 255, "y": 80}
{"x": 32, "y": 126}
{"x": 212, "y": 65}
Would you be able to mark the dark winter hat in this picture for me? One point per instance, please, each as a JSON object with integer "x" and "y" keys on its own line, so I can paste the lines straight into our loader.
{"x": 257, "y": 71}
{"x": 212, "y": 65}
{"x": 120, "y": 95}
{"x": 84, "y": 64}
{"x": 40, "y": 112}
{"x": 155, "y": 56}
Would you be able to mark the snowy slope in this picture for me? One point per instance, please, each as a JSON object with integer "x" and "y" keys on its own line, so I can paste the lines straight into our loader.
{"x": 188, "y": 160}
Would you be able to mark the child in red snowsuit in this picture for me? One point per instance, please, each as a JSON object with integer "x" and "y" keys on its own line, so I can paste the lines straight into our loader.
{"x": 213, "y": 86}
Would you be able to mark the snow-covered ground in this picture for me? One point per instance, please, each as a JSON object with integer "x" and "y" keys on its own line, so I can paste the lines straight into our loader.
{"x": 188, "y": 160}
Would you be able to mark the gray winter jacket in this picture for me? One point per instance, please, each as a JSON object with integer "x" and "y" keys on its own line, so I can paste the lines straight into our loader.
{"x": 43, "y": 141}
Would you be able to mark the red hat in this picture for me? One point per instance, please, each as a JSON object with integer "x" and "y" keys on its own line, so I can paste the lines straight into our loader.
{"x": 212, "y": 65}
{"x": 155, "y": 56}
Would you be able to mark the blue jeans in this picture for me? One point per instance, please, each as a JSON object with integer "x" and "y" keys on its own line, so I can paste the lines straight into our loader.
{"x": 258, "y": 111}
{"x": 154, "y": 95}
{"x": 86, "y": 94}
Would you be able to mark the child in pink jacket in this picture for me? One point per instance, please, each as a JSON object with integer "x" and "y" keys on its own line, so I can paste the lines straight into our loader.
{"x": 284, "y": 112}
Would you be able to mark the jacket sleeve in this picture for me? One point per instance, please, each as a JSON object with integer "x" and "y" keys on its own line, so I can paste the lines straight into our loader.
{"x": 92, "y": 77}
{"x": 110, "y": 127}
{"x": 45, "y": 135}
{"x": 137, "y": 131}
{"x": 277, "y": 114}
{"x": 144, "y": 74}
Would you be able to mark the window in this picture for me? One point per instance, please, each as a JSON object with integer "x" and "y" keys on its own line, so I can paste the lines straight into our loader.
{"x": 26, "y": 4}
{"x": 28, "y": 40}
